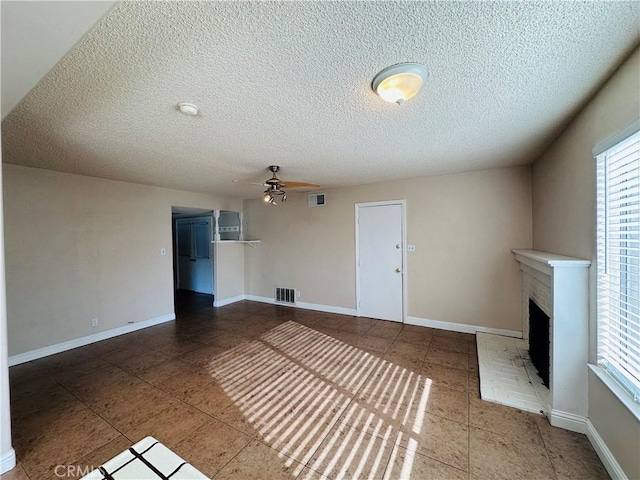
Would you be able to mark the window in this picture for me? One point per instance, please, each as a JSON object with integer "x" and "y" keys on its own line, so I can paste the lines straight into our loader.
{"x": 618, "y": 251}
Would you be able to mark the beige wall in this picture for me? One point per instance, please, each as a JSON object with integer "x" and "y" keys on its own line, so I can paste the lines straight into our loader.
{"x": 463, "y": 227}
{"x": 563, "y": 184}
{"x": 79, "y": 248}
{"x": 229, "y": 258}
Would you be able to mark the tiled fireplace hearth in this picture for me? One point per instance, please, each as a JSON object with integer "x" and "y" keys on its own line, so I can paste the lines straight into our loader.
{"x": 559, "y": 286}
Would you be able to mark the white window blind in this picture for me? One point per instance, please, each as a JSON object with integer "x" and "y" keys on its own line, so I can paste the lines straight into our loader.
{"x": 618, "y": 227}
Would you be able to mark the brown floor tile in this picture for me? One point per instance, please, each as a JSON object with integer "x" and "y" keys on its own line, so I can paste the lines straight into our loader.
{"x": 436, "y": 437}
{"x": 99, "y": 456}
{"x": 459, "y": 345}
{"x": 136, "y": 364}
{"x": 407, "y": 464}
{"x": 447, "y": 358}
{"x": 420, "y": 337}
{"x": 111, "y": 383}
{"x": 334, "y": 322}
{"x": 474, "y": 385}
{"x": 64, "y": 445}
{"x": 124, "y": 351}
{"x": 257, "y": 461}
{"x": 162, "y": 371}
{"x": 127, "y": 412}
{"x": 211, "y": 398}
{"x": 51, "y": 394}
{"x": 16, "y": 473}
{"x": 38, "y": 385}
{"x": 298, "y": 432}
{"x": 406, "y": 349}
{"x": 448, "y": 403}
{"x": 378, "y": 422}
{"x": 571, "y": 453}
{"x": 190, "y": 379}
{"x": 504, "y": 420}
{"x": 377, "y": 345}
{"x": 348, "y": 452}
{"x": 308, "y": 474}
{"x": 448, "y": 333}
{"x": 387, "y": 330}
{"x": 41, "y": 425}
{"x": 347, "y": 337}
{"x": 442, "y": 376}
{"x": 407, "y": 362}
{"x": 500, "y": 457}
{"x": 202, "y": 356}
{"x": 211, "y": 446}
{"x": 233, "y": 417}
{"x": 28, "y": 372}
{"x": 390, "y": 384}
{"x": 170, "y": 425}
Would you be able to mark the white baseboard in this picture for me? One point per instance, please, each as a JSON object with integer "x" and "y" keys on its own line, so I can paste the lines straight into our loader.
{"x": 461, "y": 327}
{"x": 82, "y": 341}
{"x": 568, "y": 421}
{"x": 7, "y": 461}
{"x": 305, "y": 305}
{"x": 228, "y": 301}
{"x": 606, "y": 457}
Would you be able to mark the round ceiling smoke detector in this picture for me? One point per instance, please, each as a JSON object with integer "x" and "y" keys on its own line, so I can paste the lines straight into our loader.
{"x": 188, "y": 109}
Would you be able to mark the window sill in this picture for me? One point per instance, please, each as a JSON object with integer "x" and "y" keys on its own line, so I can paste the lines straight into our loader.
{"x": 617, "y": 390}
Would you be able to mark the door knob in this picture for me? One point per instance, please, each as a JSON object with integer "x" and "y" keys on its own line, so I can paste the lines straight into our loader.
{"x": 397, "y": 270}
{"x": 398, "y": 246}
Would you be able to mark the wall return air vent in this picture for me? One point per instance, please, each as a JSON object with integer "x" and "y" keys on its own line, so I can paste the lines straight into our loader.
{"x": 285, "y": 295}
{"x": 317, "y": 200}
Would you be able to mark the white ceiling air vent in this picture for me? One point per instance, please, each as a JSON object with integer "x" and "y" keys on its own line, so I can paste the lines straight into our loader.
{"x": 316, "y": 200}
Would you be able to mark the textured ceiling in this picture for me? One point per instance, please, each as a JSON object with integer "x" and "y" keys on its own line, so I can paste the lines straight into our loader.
{"x": 26, "y": 57}
{"x": 288, "y": 83}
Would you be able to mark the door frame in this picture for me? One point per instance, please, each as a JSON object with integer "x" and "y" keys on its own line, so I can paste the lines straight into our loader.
{"x": 176, "y": 260}
{"x": 403, "y": 208}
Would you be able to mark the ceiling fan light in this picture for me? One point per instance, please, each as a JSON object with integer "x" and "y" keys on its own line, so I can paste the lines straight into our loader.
{"x": 399, "y": 83}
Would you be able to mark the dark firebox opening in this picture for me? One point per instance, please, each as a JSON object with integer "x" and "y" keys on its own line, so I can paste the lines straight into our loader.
{"x": 539, "y": 341}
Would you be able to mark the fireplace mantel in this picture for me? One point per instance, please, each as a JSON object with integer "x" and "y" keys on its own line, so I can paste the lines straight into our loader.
{"x": 560, "y": 286}
{"x": 544, "y": 262}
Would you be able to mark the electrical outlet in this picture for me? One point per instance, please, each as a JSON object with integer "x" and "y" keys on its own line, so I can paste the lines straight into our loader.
{"x": 411, "y": 248}
{"x": 94, "y": 322}
{"x": 298, "y": 293}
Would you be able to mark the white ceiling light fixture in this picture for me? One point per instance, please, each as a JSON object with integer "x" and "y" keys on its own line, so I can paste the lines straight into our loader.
{"x": 398, "y": 83}
{"x": 188, "y": 109}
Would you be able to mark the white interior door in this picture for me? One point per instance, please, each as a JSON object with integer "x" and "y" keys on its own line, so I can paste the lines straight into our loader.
{"x": 195, "y": 263}
{"x": 380, "y": 260}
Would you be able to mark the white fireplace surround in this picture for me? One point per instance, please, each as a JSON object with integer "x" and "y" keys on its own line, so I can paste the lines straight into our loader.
{"x": 559, "y": 285}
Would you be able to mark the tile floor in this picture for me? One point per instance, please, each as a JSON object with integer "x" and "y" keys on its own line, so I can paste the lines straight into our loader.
{"x": 255, "y": 391}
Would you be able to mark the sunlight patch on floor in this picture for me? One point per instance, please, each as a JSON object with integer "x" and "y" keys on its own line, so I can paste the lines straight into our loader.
{"x": 328, "y": 405}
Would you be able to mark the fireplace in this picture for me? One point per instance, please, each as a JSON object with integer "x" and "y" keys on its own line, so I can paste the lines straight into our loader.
{"x": 539, "y": 340}
{"x": 555, "y": 324}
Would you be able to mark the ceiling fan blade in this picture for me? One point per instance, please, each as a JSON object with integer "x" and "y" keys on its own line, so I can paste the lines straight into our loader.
{"x": 250, "y": 183}
{"x": 299, "y": 185}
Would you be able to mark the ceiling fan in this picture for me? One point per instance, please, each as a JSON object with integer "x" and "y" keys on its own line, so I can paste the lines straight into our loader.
{"x": 275, "y": 186}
